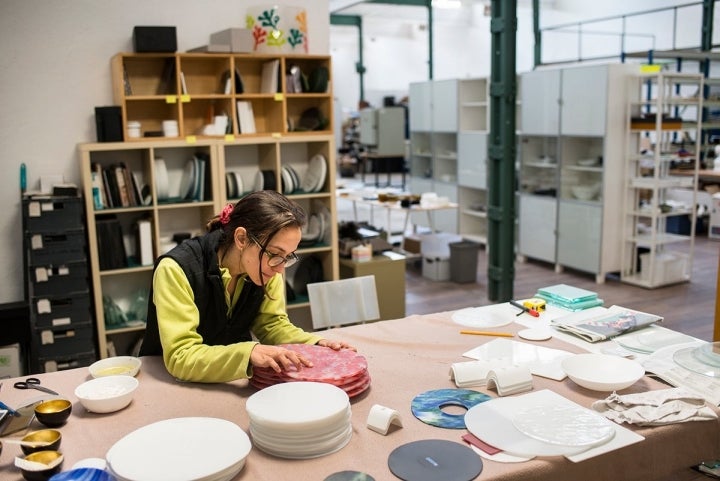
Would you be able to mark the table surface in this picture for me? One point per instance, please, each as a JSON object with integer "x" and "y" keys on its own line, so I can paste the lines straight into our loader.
{"x": 405, "y": 357}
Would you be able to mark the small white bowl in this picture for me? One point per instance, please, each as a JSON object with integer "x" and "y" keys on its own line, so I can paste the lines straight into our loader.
{"x": 107, "y": 394}
{"x": 602, "y": 372}
{"x": 115, "y": 366}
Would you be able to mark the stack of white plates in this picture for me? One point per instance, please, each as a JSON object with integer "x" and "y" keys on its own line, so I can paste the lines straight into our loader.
{"x": 192, "y": 449}
{"x": 300, "y": 420}
{"x": 344, "y": 369}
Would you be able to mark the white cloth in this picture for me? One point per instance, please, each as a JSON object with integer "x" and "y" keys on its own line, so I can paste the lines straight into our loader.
{"x": 654, "y": 408}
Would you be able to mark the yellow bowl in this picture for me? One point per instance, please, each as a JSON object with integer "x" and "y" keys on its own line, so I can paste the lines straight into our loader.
{"x": 115, "y": 366}
{"x": 53, "y": 412}
{"x": 50, "y": 439}
{"x": 51, "y": 459}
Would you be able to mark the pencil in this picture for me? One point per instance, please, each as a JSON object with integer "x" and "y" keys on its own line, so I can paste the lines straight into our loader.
{"x": 489, "y": 333}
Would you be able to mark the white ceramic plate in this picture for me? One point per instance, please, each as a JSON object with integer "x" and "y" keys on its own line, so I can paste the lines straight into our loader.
{"x": 315, "y": 174}
{"x": 535, "y": 334}
{"x": 602, "y": 372}
{"x": 239, "y": 182}
{"x": 259, "y": 181}
{"x": 162, "y": 181}
{"x": 492, "y": 422}
{"x": 485, "y": 316}
{"x": 191, "y": 448}
{"x": 297, "y": 405}
{"x": 288, "y": 185}
{"x": 565, "y": 425}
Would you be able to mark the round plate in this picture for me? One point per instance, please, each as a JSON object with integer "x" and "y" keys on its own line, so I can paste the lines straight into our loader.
{"x": 492, "y": 422}
{"x": 564, "y": 425}
{"x": 690, "y": 359}
{"x": 427, "y": 406}
{"x": 349, "y": 476}
{"x": 162, "y": 181}
{"x": 230, "y": 185}
{"x": 485, "y": 316}
{"x": 259, "y": 181}
{"x": 315, "y": 175}
{"x": 296, "y": 178}
{"x": 239, "y": 186}
{"x": 148, "y": 453}
{"x": 433, "y": 460}
{"x": 535, "y": 334}
{"x": 288, "y": 185}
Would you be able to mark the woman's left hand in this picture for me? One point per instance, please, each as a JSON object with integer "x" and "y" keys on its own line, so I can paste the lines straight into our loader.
{"x": 336, "y": 345}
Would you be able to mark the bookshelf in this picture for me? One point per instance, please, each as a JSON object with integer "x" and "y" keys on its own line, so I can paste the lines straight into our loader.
{"x": 164, "y": 199}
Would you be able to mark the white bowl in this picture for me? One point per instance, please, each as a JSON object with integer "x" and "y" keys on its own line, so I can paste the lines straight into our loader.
{"x": 602, "y": 372}
{"x": 115, "y": 366}
{"x": 584, "y": 192}
{"x": 107, "y": 394}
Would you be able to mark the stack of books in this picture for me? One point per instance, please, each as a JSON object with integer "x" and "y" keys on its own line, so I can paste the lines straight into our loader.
{"x": 569, "y": 297}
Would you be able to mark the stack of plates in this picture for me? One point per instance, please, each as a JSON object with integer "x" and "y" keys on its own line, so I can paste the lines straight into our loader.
{"x": 193, "y": 449}
{"x": 314, "y": 179}
{"x": 290, "y": 180}
{"x": 234, "y": 185}
{"x": 344, "y": 369}
{"x": 300, "y": 420}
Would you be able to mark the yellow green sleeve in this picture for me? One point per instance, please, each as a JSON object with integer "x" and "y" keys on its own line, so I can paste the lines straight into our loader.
{"x": 186, "y": 356}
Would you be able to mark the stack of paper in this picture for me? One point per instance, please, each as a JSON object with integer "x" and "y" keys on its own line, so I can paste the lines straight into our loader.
{"x": 569, "y": 297}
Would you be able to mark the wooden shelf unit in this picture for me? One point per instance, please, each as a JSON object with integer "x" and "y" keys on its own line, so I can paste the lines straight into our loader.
{"x": 272, "y": 147}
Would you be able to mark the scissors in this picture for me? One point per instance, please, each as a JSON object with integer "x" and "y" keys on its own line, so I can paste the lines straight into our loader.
{"x": 33, "y": 383}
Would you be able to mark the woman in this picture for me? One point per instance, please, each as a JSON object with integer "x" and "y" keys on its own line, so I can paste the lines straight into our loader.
{"x": 211, "y": 292}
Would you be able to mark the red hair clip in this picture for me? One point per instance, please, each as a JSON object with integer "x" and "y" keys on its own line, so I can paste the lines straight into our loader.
{"x": 225, "y": 214}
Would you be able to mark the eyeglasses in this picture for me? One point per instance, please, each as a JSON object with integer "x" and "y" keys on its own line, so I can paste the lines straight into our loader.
{"x": 276, "y": 260}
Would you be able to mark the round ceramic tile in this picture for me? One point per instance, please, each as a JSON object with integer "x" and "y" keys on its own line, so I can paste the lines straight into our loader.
{"x": 427, "y": 406}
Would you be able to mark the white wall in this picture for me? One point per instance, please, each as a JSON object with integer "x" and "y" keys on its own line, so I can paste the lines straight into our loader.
{"x": 55, "y": 68}
{"x": 396, "y": 50}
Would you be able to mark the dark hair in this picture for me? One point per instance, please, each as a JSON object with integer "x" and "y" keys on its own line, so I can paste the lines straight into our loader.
{"x": 263, "y": 214}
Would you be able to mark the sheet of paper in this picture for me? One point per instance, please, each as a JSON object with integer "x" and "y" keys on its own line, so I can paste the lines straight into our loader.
{"x": 541, "y": 361}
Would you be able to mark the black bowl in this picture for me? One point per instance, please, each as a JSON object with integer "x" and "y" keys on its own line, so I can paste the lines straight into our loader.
{"x": 43, "y": 457}
{"x": 50, "y": 437}
{"x": 54, "y": 412}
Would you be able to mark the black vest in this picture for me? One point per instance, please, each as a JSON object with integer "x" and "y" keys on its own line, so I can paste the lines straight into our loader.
{"x": 198, "y": 259}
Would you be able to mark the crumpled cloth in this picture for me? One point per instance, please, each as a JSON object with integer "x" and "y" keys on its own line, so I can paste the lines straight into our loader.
{"x": 655, "y": 408}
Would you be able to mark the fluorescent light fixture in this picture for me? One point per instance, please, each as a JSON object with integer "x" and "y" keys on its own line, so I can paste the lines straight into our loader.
{"x": 446, "y": 3}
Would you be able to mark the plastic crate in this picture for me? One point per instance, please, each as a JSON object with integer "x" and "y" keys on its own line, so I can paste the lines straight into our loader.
{"x": 60, "y": 311}
{"x": 56, "y": 248}
{"x": 58, "y": 279}
{"x": 51, "y": 213}
{"x": 63, "y": 341}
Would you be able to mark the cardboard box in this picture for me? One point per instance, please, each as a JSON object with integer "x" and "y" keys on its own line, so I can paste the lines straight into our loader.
{"x": 411, "y": 244}
{"x": 238, "y": 39}
{"x": 10, "y": 361}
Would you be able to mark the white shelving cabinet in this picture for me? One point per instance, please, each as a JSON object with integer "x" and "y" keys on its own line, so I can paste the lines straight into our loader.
{"x": 570, "y": 166}
{"x": 664, "y": 127}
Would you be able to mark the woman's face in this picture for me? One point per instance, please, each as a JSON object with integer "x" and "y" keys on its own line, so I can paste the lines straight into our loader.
{"x": 284, "y": 243}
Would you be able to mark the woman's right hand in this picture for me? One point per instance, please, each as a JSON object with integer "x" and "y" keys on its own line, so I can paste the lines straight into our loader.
{"x": 277, "y": 358}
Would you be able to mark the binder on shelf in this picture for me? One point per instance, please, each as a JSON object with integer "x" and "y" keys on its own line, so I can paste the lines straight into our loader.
{"x": 144, "y": 241}
{"x": 111, "y": 248}
{"x": 246, "y": 119}
{"x": 269, "y": 79}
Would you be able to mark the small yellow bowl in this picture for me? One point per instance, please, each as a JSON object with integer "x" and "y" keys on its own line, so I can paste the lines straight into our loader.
{"x": 115, "y": 366}
{"x": 53, "y": 412}
{"x": 51, "y": 459}
{"x": 50, "y": 439}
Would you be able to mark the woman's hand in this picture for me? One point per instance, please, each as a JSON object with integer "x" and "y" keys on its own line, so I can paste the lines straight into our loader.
{"x": 277, "y": 358}
{"x": 336, "y": 345}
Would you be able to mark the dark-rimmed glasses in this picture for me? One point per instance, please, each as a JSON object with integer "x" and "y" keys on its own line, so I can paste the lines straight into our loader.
{"x": 276, "y": 260}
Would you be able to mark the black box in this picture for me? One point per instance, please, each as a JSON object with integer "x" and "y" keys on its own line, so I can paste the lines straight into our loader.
{"x": 108, "y": 123}
{"x": 154, "y": 39}
{"x": 45, "y": 213}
